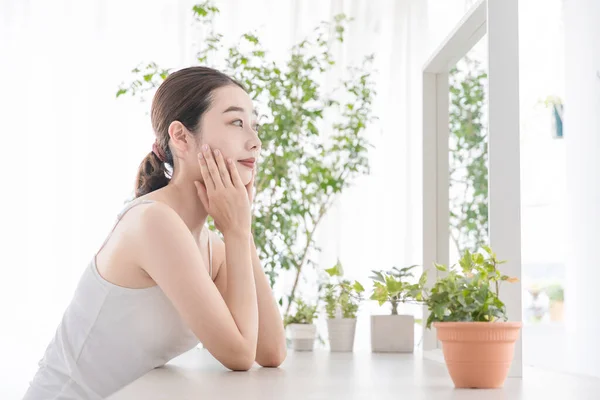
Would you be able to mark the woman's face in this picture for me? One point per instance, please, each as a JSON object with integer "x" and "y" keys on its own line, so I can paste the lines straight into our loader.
{"x": 230, "y": 126}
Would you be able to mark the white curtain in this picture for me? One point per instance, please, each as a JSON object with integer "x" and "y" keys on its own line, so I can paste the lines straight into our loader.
{"x": 70, "y": 149}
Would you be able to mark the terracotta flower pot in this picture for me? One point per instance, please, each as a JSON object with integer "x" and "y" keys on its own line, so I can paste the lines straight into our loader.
{"x": 302, "y": 336}
{"x": 392, "y": 333}
{"x": 478, "y": 354}
{"x": 341, "y": 334}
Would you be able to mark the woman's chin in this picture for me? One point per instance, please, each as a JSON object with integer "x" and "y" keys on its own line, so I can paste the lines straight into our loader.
{"x": 246, "y": 179}
{"x": 245, "y": 175}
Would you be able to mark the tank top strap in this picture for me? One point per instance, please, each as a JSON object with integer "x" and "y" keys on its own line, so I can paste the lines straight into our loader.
{"x": 130, "y": 205}
{"x": 210, "y": 255}
{"x": 120, "y": 215}
{"x": 134, "y": 203}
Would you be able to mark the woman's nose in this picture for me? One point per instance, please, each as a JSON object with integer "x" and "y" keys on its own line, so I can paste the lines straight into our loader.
{"x": 255, "y": 143}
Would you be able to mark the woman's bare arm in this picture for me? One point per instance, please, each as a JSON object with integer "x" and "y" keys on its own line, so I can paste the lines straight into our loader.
{"x": 271, "y": 345}
{"x": 226, "y": 326}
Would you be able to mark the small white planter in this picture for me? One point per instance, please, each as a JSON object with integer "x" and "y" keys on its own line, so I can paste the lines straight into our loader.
{"x": 302, "y": 336}
{"x": 392, "y": 333}
{"x": 341, "y": 334}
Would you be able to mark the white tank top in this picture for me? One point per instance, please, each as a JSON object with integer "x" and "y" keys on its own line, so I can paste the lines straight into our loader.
{"x": 108, "y": 337}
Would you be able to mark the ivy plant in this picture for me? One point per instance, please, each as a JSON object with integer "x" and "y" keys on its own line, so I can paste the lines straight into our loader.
{"x": 468, "y": 292}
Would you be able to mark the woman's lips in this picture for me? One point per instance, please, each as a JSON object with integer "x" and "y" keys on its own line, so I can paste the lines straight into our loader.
{"x": 249, "y": 164}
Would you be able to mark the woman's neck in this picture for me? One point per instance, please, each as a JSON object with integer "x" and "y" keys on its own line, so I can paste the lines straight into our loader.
{"x": 182, "y": 196}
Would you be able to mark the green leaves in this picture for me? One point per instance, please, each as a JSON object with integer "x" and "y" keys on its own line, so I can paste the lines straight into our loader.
{"x": 358, "y": 288}
{"x": 468, "y": 156}
{"x": 380, "y": 293}
{"x": 150, "y": 76}
{"x": 305, "y": 314}
{"x": 440, "y": 267}
{"x": 341, "y": 294}
{"x": 468, "y": 293}
{"x": 393, "y": 287}
{"x": 336, "y": 270}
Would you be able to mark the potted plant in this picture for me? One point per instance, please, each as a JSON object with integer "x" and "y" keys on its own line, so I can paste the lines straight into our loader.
{"x": 301, "y": 329}
{"x": 557, "y": 297}
{"x": 470, "y": 319}
{"x": 393, "y": 333}
{"x": 342, "y": 299}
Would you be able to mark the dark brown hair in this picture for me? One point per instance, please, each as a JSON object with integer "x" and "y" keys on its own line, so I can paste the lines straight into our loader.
{"x": 184, "y": 96}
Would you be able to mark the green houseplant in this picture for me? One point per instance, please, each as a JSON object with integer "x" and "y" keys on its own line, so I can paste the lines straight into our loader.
{"x": 314, "y": 142}
{"x": 470, "y": 319}
{"x": 300, "y": 326}
{"x": 342, "y": 300}
{"x": 394, "y": 333}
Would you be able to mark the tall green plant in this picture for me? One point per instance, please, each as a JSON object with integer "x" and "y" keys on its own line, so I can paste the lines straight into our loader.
{"x": 468, "y": 156}
{"x": 313, "y": 142}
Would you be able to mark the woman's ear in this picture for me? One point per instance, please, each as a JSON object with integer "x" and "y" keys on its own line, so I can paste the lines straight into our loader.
{"x": 181, "y": 138}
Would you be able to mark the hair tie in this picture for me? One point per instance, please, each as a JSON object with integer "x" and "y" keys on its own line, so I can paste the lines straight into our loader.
{"x": 158, "y": 152}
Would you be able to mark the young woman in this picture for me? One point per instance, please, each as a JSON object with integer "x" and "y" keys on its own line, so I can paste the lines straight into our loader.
{"x": 162, "y": 282}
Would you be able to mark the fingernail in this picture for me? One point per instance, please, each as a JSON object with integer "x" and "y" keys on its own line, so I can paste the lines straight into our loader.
{"x": 229, "y": 160}
{"x": 205, "y": 147}
{"x": 216, "y": 152}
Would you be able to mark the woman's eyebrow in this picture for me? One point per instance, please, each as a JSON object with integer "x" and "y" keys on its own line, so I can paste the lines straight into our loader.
{"x": 239, "y": 109}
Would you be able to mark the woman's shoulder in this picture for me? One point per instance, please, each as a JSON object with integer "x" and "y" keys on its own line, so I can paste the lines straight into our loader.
{"x": 149, "y": 217}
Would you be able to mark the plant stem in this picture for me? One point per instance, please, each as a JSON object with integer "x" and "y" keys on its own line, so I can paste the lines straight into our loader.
{"x": 302, "y": 261}
{"x": 455, "y": 240}
{"x": 497, "y": 284}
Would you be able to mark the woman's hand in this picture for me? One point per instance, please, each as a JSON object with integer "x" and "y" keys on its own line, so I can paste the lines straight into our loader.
{"x": 223, "y": 194}
{"x": 250, "y": 188}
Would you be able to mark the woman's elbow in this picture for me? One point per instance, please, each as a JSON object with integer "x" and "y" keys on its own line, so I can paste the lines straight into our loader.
{"x": 242, "y": 362}
{"x": 240, "y": 366}
{"x": 273, "y": 358}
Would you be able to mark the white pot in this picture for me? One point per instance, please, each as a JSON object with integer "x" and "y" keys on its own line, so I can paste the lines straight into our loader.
{"x": 392, "y": 333}
{"x": 302, "y": 336}
{"x": 341, "y": 334}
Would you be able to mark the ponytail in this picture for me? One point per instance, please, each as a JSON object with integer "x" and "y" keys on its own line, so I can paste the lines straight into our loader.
{"x": 152, "y": 175}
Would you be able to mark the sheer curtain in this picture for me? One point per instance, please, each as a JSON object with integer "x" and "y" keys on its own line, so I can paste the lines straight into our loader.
{"x": 70, "y": 150}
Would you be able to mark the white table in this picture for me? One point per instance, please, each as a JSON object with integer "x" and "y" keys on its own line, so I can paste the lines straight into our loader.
{"x": 324, "y": 375}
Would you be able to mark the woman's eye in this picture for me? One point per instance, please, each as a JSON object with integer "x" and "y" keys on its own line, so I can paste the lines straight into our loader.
{"x": 238, "y": 122}
{"x": 256, "y": 127}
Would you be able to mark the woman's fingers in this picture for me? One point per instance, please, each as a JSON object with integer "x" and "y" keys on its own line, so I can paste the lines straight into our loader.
{"x": 212, "y": 167}
{"x": 202, "y": 194}
{"x": 250, "y": 186}
{"x": 208, "y": 181}
{"x": 223, "y": 171}
{"x": 235, "y": 175}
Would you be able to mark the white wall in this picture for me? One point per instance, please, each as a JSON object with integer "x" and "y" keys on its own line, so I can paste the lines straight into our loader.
{"x": 582, "y": 135}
